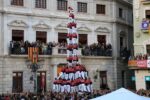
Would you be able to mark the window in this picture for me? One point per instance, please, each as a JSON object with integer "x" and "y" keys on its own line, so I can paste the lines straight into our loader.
{"x": 147, "y": 12}
{"x": 123, "y": 46}
{"x": 123, "y": 78}
{"x": 121, "y": 42}
{"x": 83, "y": 39}
{"x": 18, "y": 35}
{"x": 62, "y": 43}
{"x": 120, "y": 12}
{"x": 62, "y": 5}
{"x": 101, "y": 39}
{"x": 41, "y": 81}
{"x": 103, "y": 80}
{"x": 100, "y": 9}
{"x": 17, "y": 82}
{"x": 41, "y": 36}
{"x": 148, "y": 49}
{"x": 40, "y": 4}
{"x": 82, "y": 7}
{"x": 147, "y": 82}
{"x": 62, "y": 37}
{"x": 17, "y": 2}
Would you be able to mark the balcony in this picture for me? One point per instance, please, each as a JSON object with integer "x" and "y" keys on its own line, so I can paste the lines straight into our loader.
{"x": 48, "y": 50}
{"x": 139, "y": 62}
{"x": 63, "y": 51}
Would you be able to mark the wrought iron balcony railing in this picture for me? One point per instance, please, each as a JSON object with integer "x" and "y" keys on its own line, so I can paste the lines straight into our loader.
{"x": 24, "y": 51}
{"x": 62, "y": 51}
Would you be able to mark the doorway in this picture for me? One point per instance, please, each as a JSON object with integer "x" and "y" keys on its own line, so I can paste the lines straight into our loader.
{"x": 17, "y": 82}
{"x": 41, "y": 81}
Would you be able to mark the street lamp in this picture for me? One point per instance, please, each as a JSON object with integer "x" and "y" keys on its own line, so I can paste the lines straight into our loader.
{"x": 34, "y": 68}
{"x": 34, "y": 64}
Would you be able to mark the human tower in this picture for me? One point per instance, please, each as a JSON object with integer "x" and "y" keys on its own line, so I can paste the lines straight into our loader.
{"x": 74, "y": 76}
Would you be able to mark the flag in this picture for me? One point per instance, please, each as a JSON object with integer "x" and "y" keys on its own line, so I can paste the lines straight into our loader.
{"x": 33, "y": 54}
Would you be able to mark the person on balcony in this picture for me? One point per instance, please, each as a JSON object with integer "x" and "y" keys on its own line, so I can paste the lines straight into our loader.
{"x": 11, "y": 47}
{"x": 44, "y": 48}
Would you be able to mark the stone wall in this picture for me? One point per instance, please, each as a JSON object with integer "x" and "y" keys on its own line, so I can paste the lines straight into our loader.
{"x": 140, "y": 78}
{"x": 12, "y": 64}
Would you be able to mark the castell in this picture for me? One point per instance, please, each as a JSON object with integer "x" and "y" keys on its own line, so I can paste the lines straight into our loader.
{"x": 74, "y": 76}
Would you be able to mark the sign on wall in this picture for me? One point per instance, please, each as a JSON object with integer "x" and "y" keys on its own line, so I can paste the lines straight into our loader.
{"x": 142, "y": 63}
{"x": 132, "y": 63}
{"x": 145, "y": 26}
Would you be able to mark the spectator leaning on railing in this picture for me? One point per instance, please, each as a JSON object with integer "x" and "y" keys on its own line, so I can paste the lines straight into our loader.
{"x": 139, "y": 57}
{"x": 20, "y": 47}
{"x": 97, "y": 50}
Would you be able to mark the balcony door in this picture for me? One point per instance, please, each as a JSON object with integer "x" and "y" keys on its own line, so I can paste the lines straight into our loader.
{"x": 41, "y": 36}
{"x": 41, "y": 81}
{"x": 147, "y": 14}
{"x": 83, "y": 39}
{"x": 18, "y": 35}
{"x": 147, "y": 82}
{"x": 17, "y": 82}
{"x": 103, "y": 80}
{"x": 101, "y": 39}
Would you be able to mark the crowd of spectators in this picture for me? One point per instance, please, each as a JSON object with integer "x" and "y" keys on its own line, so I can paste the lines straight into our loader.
{"x": 139, "y": 57}
{"x": 143, "y": 92}
{"x": 21, "y": 47}
{"x": 63, "y": 96}
{"x": 62, "y": 47}
{"x": 97, "y": 50}
{"x": 54, "y": 96}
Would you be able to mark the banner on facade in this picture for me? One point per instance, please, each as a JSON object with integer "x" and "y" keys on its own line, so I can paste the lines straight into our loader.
{"x": 142, "y": 63}
{"x": 132, "y": 63}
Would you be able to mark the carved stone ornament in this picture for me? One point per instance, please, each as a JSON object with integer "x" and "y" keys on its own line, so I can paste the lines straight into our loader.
{"x": 84, "y": 28}
{"x": 61, "y": 26}
{"x": 41, "y": 25}
{"x": 102, "y": 29}
{"x": 18, "y": 23}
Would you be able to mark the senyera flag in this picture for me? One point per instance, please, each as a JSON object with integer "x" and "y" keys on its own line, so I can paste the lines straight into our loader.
{"x": 33, "y": 54}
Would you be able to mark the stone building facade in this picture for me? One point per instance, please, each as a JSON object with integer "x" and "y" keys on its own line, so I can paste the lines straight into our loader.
{"x": 113, "y": 22}
{"x": 141, "y": 11}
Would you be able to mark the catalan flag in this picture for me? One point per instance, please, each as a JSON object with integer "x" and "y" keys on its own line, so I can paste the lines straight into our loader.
{"x": 33, "y": 54}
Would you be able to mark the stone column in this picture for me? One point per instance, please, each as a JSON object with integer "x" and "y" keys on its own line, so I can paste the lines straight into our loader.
{"x": 1, "y": 75}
